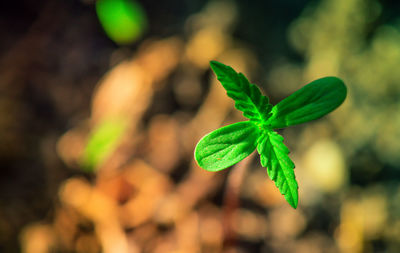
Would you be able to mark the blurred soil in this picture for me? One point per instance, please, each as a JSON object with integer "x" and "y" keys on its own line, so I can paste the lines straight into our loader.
{"x": 97, "y": 140}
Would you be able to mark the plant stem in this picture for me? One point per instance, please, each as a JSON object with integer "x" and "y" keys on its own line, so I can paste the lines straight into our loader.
{"x": 232, "y": 201}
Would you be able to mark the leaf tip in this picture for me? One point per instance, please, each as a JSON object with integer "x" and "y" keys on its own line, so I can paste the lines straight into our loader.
{"x": 339, "y": 85}
{"x": 215, "y": 66}
{"x": 294, "y": 204}
{"x": 293, "y": 199}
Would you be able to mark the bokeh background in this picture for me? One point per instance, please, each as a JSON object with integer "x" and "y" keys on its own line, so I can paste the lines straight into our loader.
{"x": 102, "y": 104}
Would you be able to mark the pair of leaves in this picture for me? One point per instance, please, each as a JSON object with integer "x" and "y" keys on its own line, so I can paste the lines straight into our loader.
{"x": 228, "y": 145}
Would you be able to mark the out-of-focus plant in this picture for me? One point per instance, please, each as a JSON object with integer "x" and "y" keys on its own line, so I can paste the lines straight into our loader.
{"x": 102, "y": 143}
{"x": 124, "y": 21}
{"x": 230, "y": 144}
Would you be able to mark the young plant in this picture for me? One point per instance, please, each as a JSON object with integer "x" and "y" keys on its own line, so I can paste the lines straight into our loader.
{"x": 229, "y": 145}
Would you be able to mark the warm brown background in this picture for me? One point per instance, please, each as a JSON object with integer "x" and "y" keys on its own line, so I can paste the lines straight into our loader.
{"x": 61, "y": 79}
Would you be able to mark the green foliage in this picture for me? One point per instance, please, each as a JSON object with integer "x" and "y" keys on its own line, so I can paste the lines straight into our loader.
{"x": 123, "y": 20}
{"x": 313, "y": 101}
{"x": 274, "y": 156}
{"x": 230, "y": 144}
{"x": 247, "y": 96}
{"x": 227, "y": 145}
{"x": 102, "y": 142}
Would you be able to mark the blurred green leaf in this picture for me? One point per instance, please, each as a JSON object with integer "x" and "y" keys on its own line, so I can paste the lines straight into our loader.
{"x": 102, "y": 141}
{"x": 124, "y": 21}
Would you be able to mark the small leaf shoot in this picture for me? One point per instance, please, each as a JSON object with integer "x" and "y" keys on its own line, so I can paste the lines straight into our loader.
{"x": 228, "y": 145}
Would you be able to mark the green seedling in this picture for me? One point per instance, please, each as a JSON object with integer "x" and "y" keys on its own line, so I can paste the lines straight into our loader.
{"x": 229, "y": 145}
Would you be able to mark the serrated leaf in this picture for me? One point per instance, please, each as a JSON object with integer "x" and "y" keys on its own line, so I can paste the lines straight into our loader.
{"x": 274, "y": 156}
{"x": 226, "y": 146}
{"x": 247, "y": 96}
{"x": 313, "y": 101}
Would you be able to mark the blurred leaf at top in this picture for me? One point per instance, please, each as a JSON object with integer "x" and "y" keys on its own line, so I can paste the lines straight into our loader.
{"x": 124, "y": 21}
{"x": 102, "y": 142}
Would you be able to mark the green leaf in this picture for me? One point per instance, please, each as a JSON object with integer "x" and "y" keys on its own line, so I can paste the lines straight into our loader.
{"x": 226, "y": 146}
{"x": 274, "y": 156}
{"x": 124, "y": 21}
{"x": 247, "y": 96}
{"x": 313, "y": 101}
{"x": 103, "y": 140}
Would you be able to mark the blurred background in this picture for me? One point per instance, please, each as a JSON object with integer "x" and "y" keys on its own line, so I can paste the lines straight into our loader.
{"x": 102, "y": 103}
